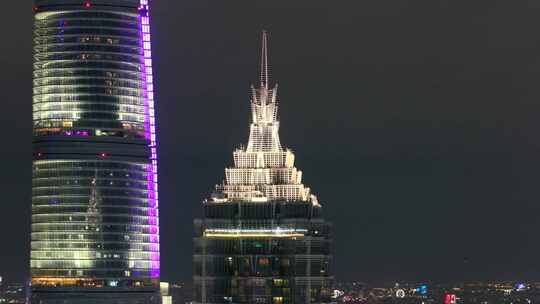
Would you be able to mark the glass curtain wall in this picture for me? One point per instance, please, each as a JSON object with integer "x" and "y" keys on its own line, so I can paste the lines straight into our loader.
{"x": 95, "y": 223}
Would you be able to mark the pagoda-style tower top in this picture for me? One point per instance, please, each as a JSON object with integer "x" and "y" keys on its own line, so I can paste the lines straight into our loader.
{"x": 264, "y": 60}
{"x": 263, "y": 171}
{"x": 262, "y": 229}
{"x": 264, "y": 129}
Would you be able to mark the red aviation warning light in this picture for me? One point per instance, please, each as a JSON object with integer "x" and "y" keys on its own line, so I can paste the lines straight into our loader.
{"x": 450, "y": 298}
{"x": 87, "y": 4}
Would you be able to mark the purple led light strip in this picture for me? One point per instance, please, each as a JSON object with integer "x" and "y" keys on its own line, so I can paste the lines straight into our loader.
{"x": 150, "y": 129}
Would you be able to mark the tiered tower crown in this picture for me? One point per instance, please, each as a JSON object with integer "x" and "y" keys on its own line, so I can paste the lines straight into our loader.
{"x": 263, "y": 171}
{"x": 263, "y": 238}
{"x": 264, "y": 130}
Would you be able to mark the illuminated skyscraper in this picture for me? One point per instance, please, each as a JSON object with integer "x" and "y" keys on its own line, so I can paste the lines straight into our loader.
{"x": 95, "y": 227}
{"x": 262, "y": 238}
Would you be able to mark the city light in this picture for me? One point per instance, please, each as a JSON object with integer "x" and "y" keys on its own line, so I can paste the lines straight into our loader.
{"x": 254, "y": 233}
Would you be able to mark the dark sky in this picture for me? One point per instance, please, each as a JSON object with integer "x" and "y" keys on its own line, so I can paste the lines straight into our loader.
{"x": 415, "y": 122}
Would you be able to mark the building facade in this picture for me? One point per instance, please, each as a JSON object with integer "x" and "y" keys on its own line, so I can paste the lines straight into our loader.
{"x": 262, "y": 238}
{"x": 95, "y": 226}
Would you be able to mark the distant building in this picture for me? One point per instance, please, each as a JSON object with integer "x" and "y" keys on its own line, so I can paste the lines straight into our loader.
{"x": 95, "y": 228}
{"x": 166, "y": 298}
{"x": 181, "y": 293}
{"x": 13, "y": 294}
{"x": 262, "y": 238}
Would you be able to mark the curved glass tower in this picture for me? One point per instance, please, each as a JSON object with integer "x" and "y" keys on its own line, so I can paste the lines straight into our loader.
{"x": 263, "y": 238}
{"x": 95, "y": 227}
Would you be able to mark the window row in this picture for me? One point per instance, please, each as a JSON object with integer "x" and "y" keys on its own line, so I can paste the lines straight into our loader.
{"x": 127, "y": 219}
{"x": 88, "y": 115}
{"x": 97, "y": 237}
{"x": 80, "y": 81}
{"x": 86, "y": 56}
{"x": 105, "y": 246}
{"x": 121, "y": 31}
{"x": 89, "y": 106}
{"x": 89, "y": 89}
{"x": 126, "y": 202}
{"x": 94, "y": 254}
{"x": 41, "y": 76}
{"x": 44, "y": 227}
{"x": 99, "y": 182}
{"x": 82, "y": 165}
{"x": 88, "y": 14}
{"x": 87, "y": 39}
{"x": 90, "y": 22}
{"x": 53, "y": 48}
{"x": 94, "y": 214}
{"x": 66, "y": 65}
{"x": 51, "y": 191}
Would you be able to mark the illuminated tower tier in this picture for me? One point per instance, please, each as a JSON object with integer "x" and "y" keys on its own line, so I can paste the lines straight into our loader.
{"x": 95, "y": 226}
{"x": 262, "y": 238}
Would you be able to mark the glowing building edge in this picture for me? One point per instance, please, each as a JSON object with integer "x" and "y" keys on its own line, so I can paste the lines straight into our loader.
{"x": 150, "y": 121}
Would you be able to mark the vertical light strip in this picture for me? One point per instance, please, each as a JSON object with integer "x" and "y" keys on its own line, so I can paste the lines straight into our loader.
{"x": 150, "y": 125}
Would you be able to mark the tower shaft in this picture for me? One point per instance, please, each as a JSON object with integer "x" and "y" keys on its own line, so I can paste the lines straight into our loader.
{"x": 95, "y": 226}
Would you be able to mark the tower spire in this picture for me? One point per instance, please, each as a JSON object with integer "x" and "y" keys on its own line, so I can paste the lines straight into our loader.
{"x": 264, "y": 60}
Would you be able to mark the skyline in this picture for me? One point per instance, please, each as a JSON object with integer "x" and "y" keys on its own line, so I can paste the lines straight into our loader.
{"x": 454, "y": 103}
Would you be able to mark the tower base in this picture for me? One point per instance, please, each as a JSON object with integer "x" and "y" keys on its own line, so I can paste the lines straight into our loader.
{"x": 95, "y": 298}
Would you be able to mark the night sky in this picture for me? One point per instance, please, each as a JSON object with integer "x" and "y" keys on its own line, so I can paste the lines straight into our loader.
{"x": 415, "y": 122}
